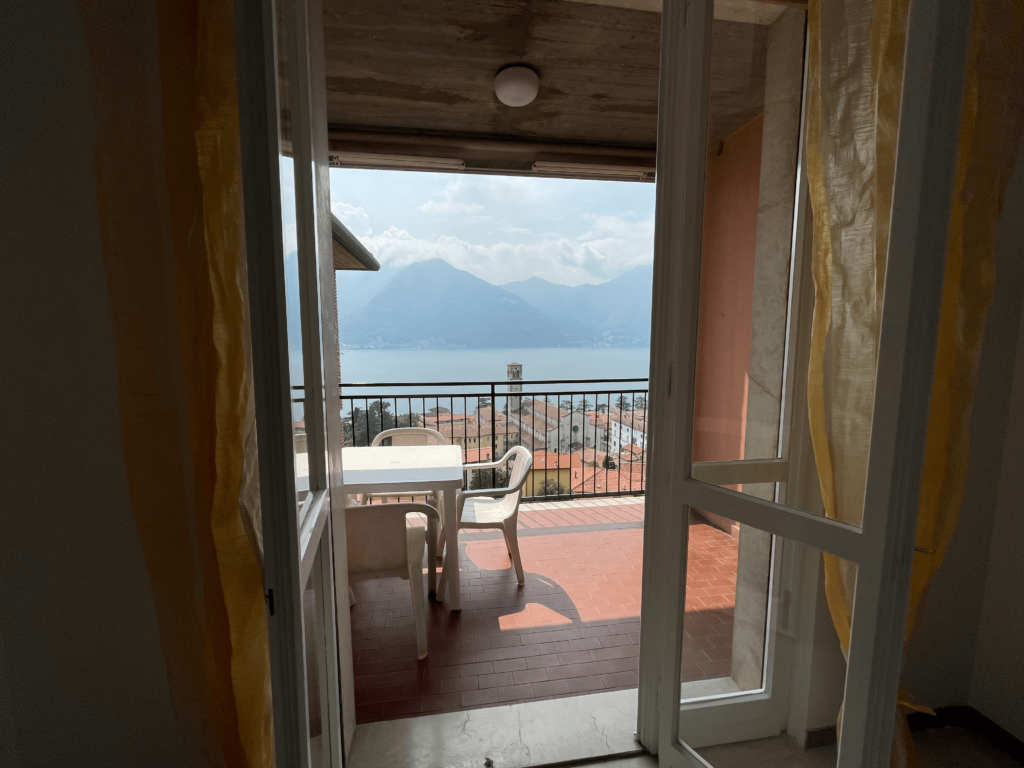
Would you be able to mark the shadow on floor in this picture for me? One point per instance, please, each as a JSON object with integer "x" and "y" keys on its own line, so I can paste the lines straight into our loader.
{"x": 577, "y": 632}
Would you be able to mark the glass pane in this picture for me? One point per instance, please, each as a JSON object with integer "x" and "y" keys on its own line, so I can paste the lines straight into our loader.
{"x": 756, "y": 293}
{"x": 293, "y": 302}
{"x": 757, "y": 618}
{"x": 301, "y": 452}
{"x": 727, "y": 577}
{"x": 313, "y": 625}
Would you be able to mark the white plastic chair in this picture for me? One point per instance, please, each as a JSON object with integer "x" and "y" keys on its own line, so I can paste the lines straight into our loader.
{"x": 382, "y": 545}
{"x": 402, "y": 436}
{"x": 480, "y": 508}
{"x": 410, "y": 436}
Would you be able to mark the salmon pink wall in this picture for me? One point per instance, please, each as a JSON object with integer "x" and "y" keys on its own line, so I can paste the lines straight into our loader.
{"x": 727, "y": 295}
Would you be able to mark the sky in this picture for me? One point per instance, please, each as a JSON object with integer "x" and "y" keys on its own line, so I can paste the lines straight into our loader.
{"x": 499, "y": 228}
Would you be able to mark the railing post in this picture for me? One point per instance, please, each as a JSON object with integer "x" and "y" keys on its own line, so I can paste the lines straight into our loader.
{"x": 494, "y": 439}
{"x": 637, "y": 423}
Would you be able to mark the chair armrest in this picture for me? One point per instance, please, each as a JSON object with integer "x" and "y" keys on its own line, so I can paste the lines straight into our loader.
{"x": 483, "y": 465}
{"x": 489, "y": 464}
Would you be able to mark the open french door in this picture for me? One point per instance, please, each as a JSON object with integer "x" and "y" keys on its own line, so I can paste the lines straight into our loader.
{"x": 282, "y": 105}
{"x": 769, "y": 496}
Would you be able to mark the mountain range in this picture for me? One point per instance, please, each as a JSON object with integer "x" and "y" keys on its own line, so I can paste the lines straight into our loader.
{"x": 433, "y": 305}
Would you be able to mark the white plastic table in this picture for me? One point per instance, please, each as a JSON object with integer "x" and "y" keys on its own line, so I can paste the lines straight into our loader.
{"x": 399, "y": 469}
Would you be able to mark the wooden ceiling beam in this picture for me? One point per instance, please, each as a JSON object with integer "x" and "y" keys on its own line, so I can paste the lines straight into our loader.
{"x": 415, "y": 79}
{"x": 421, "y": 150}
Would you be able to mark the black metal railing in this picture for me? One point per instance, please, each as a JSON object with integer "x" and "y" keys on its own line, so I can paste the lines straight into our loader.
{"x": 588, "y": 436}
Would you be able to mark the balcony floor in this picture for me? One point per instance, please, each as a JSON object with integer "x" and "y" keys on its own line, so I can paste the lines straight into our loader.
{"x": 573, "y": 628}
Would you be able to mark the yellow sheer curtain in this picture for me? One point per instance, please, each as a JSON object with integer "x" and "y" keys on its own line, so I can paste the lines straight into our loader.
{"x": 168, "y": 188}
{"x": 855, "y": 78}
{"x": 234, "y": 517}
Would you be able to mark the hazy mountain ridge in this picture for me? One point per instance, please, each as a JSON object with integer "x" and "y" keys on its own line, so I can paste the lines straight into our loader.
{"x": 432, "y": 305}
{"x": 618, "y": 311}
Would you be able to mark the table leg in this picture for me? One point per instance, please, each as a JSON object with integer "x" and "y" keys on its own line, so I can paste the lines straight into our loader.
{"x": 451, "y": 555}
{"x": 431, "y": 556}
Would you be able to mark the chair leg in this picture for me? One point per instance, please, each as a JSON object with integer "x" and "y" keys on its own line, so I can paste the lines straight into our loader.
{"x": 419, "y": 608}
{"x": 512, "y": 542}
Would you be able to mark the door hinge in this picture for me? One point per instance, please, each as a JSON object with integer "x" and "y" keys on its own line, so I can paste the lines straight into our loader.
{"x": 269, "y": 598}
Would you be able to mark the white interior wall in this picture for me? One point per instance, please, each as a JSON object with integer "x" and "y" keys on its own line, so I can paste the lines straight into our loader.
{"x": 997, "y": 684}
{"x": 968, "y": 638}
{"x": 82, "y": 674}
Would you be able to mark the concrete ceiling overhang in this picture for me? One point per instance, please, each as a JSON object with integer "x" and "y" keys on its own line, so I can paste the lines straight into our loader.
{"x": 410, "y": 83}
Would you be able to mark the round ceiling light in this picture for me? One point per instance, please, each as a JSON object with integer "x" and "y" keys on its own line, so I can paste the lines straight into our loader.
{"x": 516, "y": 86}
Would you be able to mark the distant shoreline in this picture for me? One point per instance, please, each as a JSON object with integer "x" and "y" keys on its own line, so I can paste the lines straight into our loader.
{"x": 345, "y": 349}
{"x": 489, "y": 364}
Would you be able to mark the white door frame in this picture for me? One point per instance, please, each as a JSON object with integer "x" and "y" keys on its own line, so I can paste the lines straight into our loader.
{"x": 930, "y": 117}
{"x": 297, "y": 542}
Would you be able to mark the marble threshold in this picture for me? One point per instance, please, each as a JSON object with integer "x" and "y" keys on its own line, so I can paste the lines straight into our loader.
{"x": 534, "y": 733}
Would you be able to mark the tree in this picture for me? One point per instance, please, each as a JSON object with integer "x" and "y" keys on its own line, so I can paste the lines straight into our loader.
{"x": 483, "y": 478}
{"x": 409, "y": 420}
{"x": 551, "y": 487}
{"x": 609, "y": 462}
{"x": 623, "y": 403}
{"x": 641, "y": 403}
{"x": 362, "y": 426}
{"x": 565, "y": 405}
{"x": 584, "y": 405}
{"x": 483, "y": 402}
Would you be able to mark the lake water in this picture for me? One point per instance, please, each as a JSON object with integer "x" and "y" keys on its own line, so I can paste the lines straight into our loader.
{"x": 433, "y": 365}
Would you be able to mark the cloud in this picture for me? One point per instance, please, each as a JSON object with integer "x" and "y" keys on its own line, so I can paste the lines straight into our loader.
{"x": 498, "y": 195}
{"x": 615, "y": 246}
{"x": 355, "y": 218}
{"x": 450, "y": 206}
{"x": 502, "y": 228}
{"x": 616, "y": 226}
{"x": 511, "y": 189}
{"x": 455, "y": 199}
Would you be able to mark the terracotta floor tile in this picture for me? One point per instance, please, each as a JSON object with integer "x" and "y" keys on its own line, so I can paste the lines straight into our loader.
{"x": 548, "y": 660}
{"x": 550, "y": 688}
{"x": 499, "y": 679}
{"x": 515, "y": 692}
{"x": 509, "y": 665}
{"x": 586, "y": 684}
{"x": 530, "y": 675}
{"x": 603, "y": 654}
{"x": 402, "y": 708}
{"x": 564, "y": 671}
{"x": 453, "y": 684}
{"x": 473, "y": 699}
{"x": 572, "y": 628}
{"x": 620, "y": 679}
